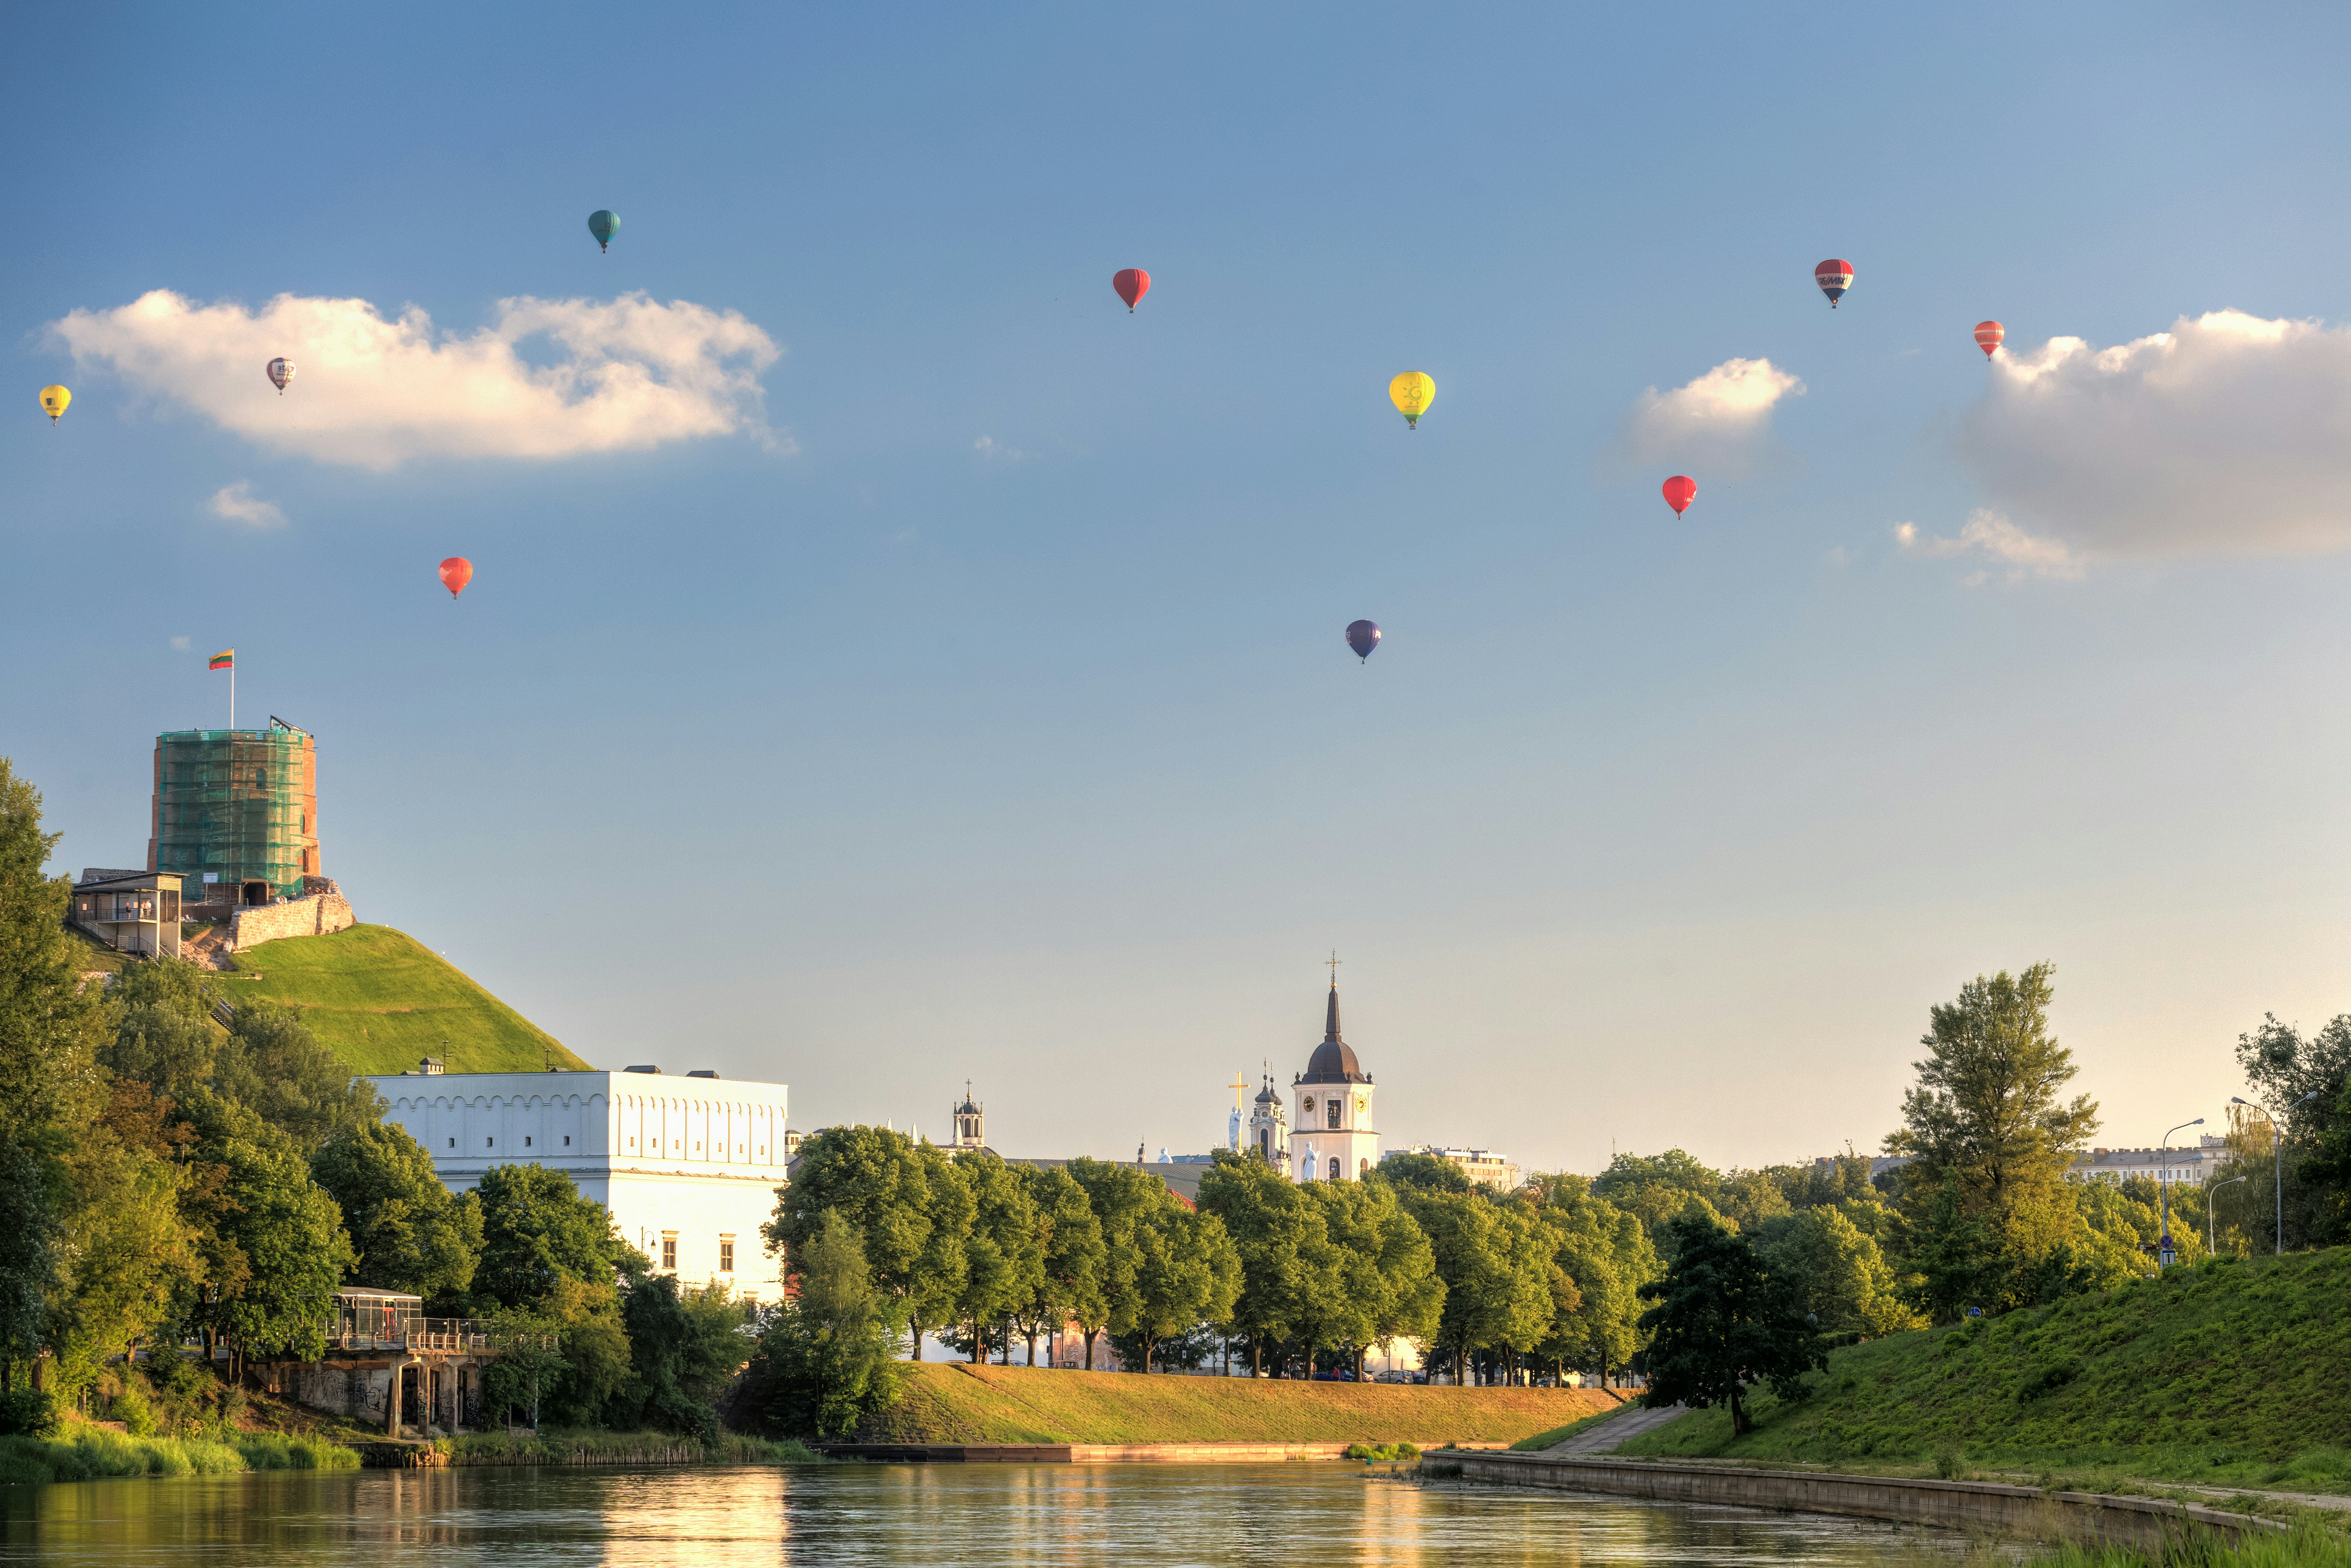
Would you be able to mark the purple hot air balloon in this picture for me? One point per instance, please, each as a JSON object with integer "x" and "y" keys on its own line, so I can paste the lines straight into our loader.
{"x": 1363, "y": 636}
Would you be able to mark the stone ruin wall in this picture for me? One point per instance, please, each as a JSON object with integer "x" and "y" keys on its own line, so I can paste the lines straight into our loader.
{"x": 315, "y": 916}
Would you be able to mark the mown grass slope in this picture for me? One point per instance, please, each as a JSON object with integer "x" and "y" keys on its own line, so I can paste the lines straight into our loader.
{"x": 381, "y": 999}
{"x": 958, "y": 1403}
{"x": 2236, "y": 1372}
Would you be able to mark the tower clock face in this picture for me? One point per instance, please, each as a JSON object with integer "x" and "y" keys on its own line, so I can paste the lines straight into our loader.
{"x": 1362, "y": 1104}
{"x": 1310, "y": 1105}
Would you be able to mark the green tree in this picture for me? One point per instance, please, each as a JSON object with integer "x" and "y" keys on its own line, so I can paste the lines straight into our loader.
{"x": 410, "y": 1234}
{"x": 1387, "y": 1270}
{"x": 1721, "y": 1322}
{"x": 539, "y": 1231}
{"x": 1987, "y": 1113}
{"x": 2304, "y": 1083}
{"x": 1838, "y": 1274}
{"x": 1604, "y": 1254}
{"x": 272, "y": 1064}
{"x": 278, "y": 1248}
{"x": 912, "y": 1214}
{"x": 1003, "y": 1252}
{"x": 1497, "y": 1274}
{"x": 1429, "y": 1173}
{"x": 1187, "y": 1273}
{"x": 50, "y": 1024}
{"x": 1290, "y": 1272}
{"x": 1122, "y": 1199}
{"x": 824, "y": 1365}
{"x": 133, "y": 1266}
{"x": 683, "y": 1348}
{"x": 1069, "y": 1282}
{"x": 163, "y": 1033}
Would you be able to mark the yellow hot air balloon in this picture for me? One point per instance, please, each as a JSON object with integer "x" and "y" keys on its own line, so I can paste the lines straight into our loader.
{"x": 54, "y": 401}
{"x": 1412, "y": 392}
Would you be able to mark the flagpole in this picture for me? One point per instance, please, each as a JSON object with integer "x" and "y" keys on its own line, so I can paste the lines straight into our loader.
{"x": 231, "y": 695}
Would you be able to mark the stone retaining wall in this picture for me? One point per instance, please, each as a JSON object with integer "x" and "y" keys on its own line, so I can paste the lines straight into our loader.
{"x": 1085, "y": 1453}
{"x": 2144, "y": 1523}
{"x": 313, "y": 916}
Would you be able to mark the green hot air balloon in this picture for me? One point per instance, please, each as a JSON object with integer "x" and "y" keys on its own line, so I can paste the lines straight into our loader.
{"x": 603, "y": 224}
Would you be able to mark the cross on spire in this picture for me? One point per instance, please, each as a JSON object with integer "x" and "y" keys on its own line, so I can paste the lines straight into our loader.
{"x": 1332, "y": 963}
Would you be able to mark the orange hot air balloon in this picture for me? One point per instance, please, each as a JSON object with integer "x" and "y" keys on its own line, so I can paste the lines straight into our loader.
{"x": 1679, "y": 492}
{"x": 455, "y": 572}
{"x": 1131, "y": 283}
{"x": 1989, "y": 336}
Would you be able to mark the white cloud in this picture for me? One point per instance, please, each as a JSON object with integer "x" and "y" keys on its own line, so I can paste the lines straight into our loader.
{"x": 1718, "y": 418}
{"x": 1988, "y": 536}
{"x": 993, "y": 451}
{"x": 179, "y": 645}
{"x": 622, "y": 375}
{"x": 237, "y": 503}
{"x": 2228, "y": 435}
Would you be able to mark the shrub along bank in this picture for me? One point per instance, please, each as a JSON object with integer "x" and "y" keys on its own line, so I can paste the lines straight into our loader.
{"x": 958, "y": 1403}
{"x": 82, "y": 1450}
{"x": 2234, "y": 1372}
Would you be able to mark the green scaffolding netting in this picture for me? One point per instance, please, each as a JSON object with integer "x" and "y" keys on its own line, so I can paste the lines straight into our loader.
{"x": 225, "y": 802}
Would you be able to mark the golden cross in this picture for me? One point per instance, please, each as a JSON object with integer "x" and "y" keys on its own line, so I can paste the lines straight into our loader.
{"x": 1333, "y": 967}
{"x": 1239, "y": 1083}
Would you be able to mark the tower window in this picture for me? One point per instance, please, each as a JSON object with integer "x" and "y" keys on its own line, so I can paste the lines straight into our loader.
{"x": 567, "y": 1140}
{"x": 1335, "y": 1167}
{"x": 526, "y": 1141}
{"x": 453, "y": 1143}
{"x": 489, "y": 1143}
{"x": 1331, "y": 1114}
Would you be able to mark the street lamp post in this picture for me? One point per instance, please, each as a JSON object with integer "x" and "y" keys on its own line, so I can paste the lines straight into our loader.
{"x": 2163, "y": 1245}
{"x": 2210, "y": 1189}
{"x": 2277, "y": 1156}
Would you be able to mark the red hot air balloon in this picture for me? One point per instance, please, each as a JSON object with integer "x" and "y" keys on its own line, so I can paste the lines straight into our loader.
{"x": 1679, "y": 492}
{"x": 1989, "y": 336}
{"x": 1363, "y": 636}
{"x": 1131, "y": 283}
{"x": 1834, "y": 277}
{"x": 455, "y": 572}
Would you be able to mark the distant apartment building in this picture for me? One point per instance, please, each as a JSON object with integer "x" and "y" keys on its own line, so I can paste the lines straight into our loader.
{"x": 1484, "y": 1167}
{"x": 2186, "y": 1165}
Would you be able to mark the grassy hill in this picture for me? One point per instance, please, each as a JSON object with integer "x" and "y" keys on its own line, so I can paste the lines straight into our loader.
{"x": 958, "y": 1403}
{"x": 2232, "y": 1372}
{"x": 382, "y": 1000}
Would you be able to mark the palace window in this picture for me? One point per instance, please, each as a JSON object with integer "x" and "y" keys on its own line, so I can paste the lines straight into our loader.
{"x": 726, "y": 1254}
{"x": 669, "y": 1250}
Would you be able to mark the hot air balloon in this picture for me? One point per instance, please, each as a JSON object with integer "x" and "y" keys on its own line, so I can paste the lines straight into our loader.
{"x": 281, "y": 371}
{"x": 1680, "y": 491}
{"x": 1412, "y": 392}
{"x": 1131, "y": 283}
{"x": 54, "y": 401}
{"x": 603, "y": 224}
{"x": 1834, "y": 277}
{"x": 1362, "y": 636}
{"x": 1989, "y": 336}
{"x": 455, "y": 572}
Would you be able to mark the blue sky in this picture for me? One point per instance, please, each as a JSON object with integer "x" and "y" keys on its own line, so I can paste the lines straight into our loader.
{"x": 972, "y": 702}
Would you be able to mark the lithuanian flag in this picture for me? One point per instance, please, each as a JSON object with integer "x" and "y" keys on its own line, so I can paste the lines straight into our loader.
{"x": 225, "y": 660}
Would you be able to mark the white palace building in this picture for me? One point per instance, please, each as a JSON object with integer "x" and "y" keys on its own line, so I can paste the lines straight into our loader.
{"x": 688, "y": 1167}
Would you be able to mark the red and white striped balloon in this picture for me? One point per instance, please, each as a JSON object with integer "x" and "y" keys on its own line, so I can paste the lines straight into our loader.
{"x": 1989, "y": 335}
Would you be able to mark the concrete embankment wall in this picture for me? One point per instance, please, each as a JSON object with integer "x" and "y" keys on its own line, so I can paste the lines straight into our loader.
{"x": 1987, "y": 1507}
{"x": 1085, "y": 1453}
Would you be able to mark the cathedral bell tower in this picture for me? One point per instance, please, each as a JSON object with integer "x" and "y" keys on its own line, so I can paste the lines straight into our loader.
{"x": 1334, "y": 1137}
{"x": 1268, "y": 1127}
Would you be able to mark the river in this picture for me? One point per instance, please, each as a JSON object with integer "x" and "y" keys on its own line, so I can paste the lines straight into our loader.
{"x": 937, "y": 1516}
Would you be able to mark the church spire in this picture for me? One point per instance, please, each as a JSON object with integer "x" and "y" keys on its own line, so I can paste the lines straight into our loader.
{"x": 1330, "y": 1024}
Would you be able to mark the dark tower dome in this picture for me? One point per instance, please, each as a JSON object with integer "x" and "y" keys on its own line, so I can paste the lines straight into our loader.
{"x": 1334, "y": 1061}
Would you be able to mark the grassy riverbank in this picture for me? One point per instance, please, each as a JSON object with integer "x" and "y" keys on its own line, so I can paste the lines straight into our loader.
{"x": 958, "y": 1403}
{"x": 2234, "y": 1372}
{"x": 81, "y": 1452}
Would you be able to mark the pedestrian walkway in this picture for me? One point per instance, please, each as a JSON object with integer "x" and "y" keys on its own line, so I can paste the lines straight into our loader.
{"x": 1629, "y": 1421}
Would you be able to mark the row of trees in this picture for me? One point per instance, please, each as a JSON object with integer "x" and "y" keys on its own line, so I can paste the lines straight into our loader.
{"x": 163, "y": 1175}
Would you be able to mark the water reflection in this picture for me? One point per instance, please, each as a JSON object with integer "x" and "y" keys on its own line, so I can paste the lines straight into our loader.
{"x": 941, "y": 1516}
